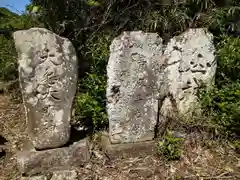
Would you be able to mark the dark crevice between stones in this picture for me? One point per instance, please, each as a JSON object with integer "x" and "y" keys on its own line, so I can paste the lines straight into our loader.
{"x": 166, "y": 39}
{"x": 3, "y": 147}
{"x": 115, "y": 89}
{"x": 47, "y": 175}
{"x": 76, "y": 136}
{"x": 160, "y": 103}
{"x": 1, "y": 87}
{"x": 160, "y": 127}
{"x": 115, "y": 92}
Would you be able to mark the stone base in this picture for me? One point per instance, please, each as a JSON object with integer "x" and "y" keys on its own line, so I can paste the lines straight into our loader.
{"x": 32, "y": 162}
{"x": 138, "y": 149}
{"x": 58, "y": 175}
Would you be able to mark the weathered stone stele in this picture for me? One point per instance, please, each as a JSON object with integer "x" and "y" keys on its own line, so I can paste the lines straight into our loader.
{"x": 191, "y": 64}
{"x": 149, "y": 82}
{"x": 134, "y": 76}
{"x": 48, "y": 76}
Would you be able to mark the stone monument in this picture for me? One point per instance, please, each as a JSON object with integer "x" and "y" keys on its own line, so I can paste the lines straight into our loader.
{"x": 48, "y": 79}
{"x": 148, "y": 82}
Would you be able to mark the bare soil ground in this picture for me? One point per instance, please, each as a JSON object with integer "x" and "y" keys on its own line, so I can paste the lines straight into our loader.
{"x": 202, "y": 160}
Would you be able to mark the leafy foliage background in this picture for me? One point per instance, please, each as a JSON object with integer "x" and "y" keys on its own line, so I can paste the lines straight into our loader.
{"x": 10, "y": 21}
{"x": 92, "y": 24}
{"x": 222, "y": 103}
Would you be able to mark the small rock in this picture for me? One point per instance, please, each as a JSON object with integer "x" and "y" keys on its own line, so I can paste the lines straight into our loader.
{"x": 89, "y": 166}
{"x": 34, "y": 178}
{"x": 64, "y": 175}
{"x": 97, "y": 155}
{"x": 178, "y": 134}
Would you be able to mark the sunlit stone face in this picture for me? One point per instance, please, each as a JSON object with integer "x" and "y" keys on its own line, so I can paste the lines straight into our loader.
{"x": 48, "y": 75}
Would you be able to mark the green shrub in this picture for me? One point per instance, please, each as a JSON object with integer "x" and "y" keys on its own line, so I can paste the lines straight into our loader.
{"x": 222, "y": 103}
{"x": 170, "y": 147}
{"x": 97, "y": 52}
{"x": 8, "y": 55}
{"x": 91, "y": 100}
{"x": 89, "y": 111}
{"x": 229, "y": 60}
{"x": 8, "y": 59}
